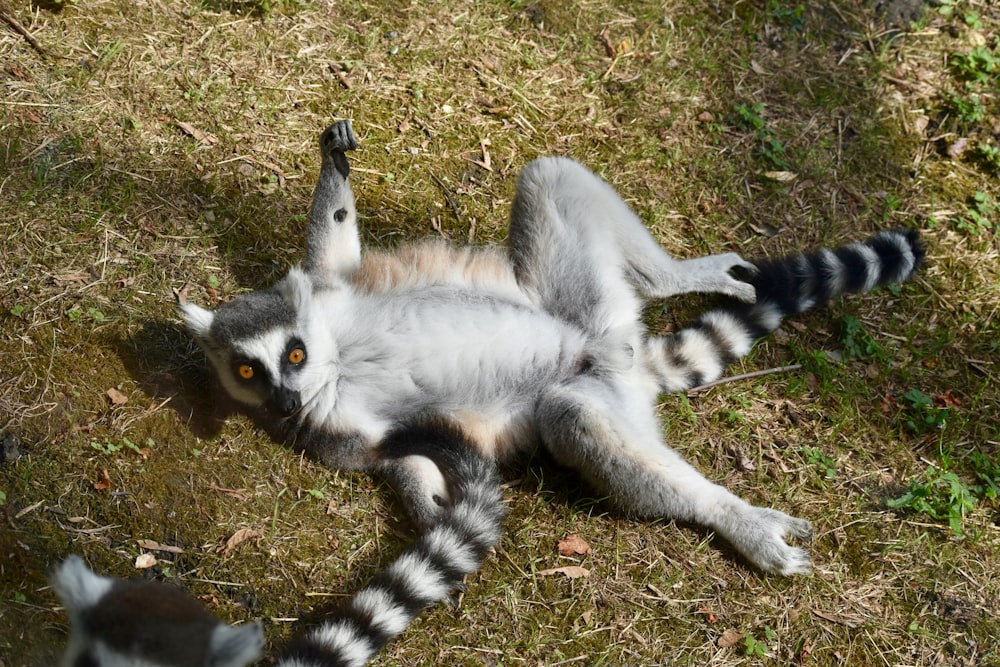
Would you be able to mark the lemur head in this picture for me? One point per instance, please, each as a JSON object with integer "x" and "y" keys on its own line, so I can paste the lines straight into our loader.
{"x": 258, "y": 343}
{"x": 115, "y": 623}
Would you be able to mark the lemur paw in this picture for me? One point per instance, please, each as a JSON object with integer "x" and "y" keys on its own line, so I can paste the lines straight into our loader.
{"x": 765, "y": 544}
{"x": 338, "y": 137}
{"x": 730, "y": 284}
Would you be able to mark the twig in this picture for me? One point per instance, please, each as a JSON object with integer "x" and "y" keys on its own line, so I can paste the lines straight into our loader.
{"x": 447, "y": 195}
{"x": 744, "y": 376}
{"x": 18, "y": 28}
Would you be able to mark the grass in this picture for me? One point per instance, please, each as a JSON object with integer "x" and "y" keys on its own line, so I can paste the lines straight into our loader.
{"x": 147, "y": 145}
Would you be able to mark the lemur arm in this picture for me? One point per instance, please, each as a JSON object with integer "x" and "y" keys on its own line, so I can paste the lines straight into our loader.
{"x": 333, "y": 248}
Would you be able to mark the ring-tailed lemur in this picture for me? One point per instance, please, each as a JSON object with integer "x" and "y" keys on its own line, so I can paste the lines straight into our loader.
{"x": 150, "y": 624}
{"x": 544, "y": 346}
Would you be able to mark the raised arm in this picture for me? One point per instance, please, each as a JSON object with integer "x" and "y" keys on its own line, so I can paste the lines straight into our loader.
{"x": 333, "y": 249}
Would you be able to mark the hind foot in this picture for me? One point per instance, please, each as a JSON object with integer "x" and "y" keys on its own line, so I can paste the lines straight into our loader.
{"x": 760, "y": 537}
{"x": 712, "y": 275}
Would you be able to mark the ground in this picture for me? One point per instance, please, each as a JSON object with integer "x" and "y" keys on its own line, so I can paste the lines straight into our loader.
{"x": 146, "y": 145}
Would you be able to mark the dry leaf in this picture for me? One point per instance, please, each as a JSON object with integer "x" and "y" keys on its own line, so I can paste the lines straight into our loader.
{"x": 145, "y": 561}
{"x": 847, "y": 620}
{"x": 117, "y": 398}
{"x": 781, "y": 176}
{"x": 948, "y": 400}
{"x": 957, "y": 147}
{"x": 151, "y": 545}
{"x": 105, "y": 482}
{"x": 709, "y": 615}
{"x": 193, "y": 131}
{"x": 571, "y": 571}
{"x": 239, "y": 537}
{"x": 729, "y": 638}
{"x": 239, "y": 494}
{"x": 573, "y": 545}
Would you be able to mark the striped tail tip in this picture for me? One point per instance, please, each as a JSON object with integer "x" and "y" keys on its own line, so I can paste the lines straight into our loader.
{"x": 797, "y": 283}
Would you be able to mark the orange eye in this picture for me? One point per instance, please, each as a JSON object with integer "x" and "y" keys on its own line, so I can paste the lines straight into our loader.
{"x": 246, "y": 371}
{"x": 297, "y": 356}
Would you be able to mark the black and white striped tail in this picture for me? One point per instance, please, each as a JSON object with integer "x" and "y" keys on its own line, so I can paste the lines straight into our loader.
{"x": 785, "y": 286}
{"x": 426, "y": 573}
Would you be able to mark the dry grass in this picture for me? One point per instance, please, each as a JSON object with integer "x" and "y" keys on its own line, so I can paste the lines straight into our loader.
{"x": 148, "y": 144}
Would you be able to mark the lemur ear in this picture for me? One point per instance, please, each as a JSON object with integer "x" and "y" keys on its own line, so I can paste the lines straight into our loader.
{"x": 296, "y": 288}
{"x": 236, "y": 645}
{"x": 197, "y": 319}
{"x": 77, "y": 586}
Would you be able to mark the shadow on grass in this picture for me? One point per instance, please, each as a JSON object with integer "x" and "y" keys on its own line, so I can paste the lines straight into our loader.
{"x": 163, "y": 361}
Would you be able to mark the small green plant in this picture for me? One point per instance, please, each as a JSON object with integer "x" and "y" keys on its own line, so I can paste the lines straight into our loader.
{"x": 977, "y": 66}
{"x": 3, "y": 498}
{"x": 858, "y": 343}
{"x": 110, "y": 448}
{"x": 823, "y": 463}
{"x": 967, "y": 110}
{"x": 95, "y": 315}
{"x": 768, "y": 145}
{"x": 940, "y": 494}
{"x": 989, "y": 155}
{"x": 17, "y": 311}
{"x": 757, "y": 646}
{"x": 987, "y": 471}
{"x": 921, "y": 415}
{"x": 790, "y": 17}
{"x": 981, "y": 213}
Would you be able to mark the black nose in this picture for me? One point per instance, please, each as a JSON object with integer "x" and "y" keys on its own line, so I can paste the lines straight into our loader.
{"x": 287, "y": 401}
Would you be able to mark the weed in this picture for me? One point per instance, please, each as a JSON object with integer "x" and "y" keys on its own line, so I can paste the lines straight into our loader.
{"x": 785, "y": 16}
{"x": 921, "y": 415}
{"x": 987, "y": 471}
{"x": 959, "y": 8}
{"x": 978, "y": 66}
{"x": 769, "y": 147}
{"x": 96, "y": 316}
{"x": 108, "y": 447}
{"x": 969, "y": 109}
{"x": 858, "y": 343}
{"x": 981, "y": 213}
{"x": 17, "y": 310}
{"x": 816, "y": 458}
{"x": 3, "y": 498}
{"x": 989, "y": 155}
{"x": 940, "y": 494}
{"x": 757, "y": 646}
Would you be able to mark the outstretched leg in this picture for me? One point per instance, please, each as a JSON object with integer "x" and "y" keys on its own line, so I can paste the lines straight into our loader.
{"x": 606, "y": 431}
{"x": 579, "y": 249}
{"x": 333, "y": 247}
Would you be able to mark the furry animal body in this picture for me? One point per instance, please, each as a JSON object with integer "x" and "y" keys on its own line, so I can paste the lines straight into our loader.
{"x": 543, "y": 346}
{"x": 116, "y": 623}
